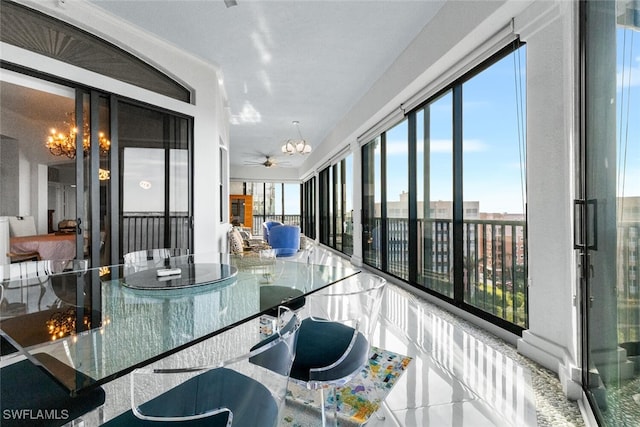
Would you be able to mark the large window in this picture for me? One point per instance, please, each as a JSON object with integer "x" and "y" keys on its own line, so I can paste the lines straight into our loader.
{"x": 309, "y": 208}
{"x": 372, "y": 203}
{"x": 454, "y": 222}
{"x": 273, "y": 201}
{"x": 336, "y": 213}
{"x": 493, "y": 158}
{"x": 434, "y": 183}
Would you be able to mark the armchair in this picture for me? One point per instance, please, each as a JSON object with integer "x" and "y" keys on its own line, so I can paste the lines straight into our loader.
{"x": 266, "y": 229}
{"x": 285, "y": 239}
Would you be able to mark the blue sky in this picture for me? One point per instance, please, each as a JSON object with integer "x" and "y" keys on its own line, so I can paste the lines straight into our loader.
{"x": 491, "y": 159}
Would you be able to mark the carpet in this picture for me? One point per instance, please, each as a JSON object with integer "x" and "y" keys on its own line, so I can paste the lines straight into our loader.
{"x": 357, "y": 400}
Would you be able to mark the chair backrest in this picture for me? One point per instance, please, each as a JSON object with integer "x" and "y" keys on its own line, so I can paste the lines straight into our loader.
{"x": 22, "y": 226}
{"x": 354, "y": 301}
{"x": 40, "y": 269}
{"x": 240, "y": 388}
{"x": 152, "y": 257}
{"x": 285, "y": 237}
{"x": 4, "y": 240}
{"x": 266, "y": 227}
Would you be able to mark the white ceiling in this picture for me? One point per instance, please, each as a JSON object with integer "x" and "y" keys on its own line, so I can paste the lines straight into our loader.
{"x": 284, "y": 60}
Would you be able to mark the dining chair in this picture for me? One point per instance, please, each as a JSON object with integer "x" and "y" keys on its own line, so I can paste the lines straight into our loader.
{"x": 150, "y": 258}
{"x": 30, "y": 397}
{"x": 246, "y": 391}
{"x": 333, "y": 341}
{"x": 24, "y": 385}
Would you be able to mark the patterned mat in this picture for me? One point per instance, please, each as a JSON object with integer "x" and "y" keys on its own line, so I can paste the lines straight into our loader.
{"x": 357, "y": 400}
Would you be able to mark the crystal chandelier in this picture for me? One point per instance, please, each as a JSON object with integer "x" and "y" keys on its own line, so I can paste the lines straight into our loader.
{"x": 64, "y": 144}
{"x": 299, "y": 146}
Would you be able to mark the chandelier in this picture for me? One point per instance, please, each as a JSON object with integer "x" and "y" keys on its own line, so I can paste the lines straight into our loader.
{"x": 299, "y": 146}
{"x": 64, "y": 144}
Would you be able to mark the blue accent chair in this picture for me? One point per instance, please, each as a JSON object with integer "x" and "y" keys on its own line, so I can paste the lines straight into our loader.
{"x": 266, "y": 229}
{"x": 285, "y": 239}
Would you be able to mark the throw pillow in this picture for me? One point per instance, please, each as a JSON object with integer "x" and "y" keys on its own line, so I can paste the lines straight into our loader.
{"x": 235, "y": 242}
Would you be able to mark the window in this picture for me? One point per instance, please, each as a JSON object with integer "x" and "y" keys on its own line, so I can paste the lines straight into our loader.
{"x": 447, "y": 225}
{"x": 336, "y": 226}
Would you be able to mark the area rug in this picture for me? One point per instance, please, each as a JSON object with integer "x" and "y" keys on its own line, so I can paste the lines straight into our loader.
{"x": 357, "y": 400}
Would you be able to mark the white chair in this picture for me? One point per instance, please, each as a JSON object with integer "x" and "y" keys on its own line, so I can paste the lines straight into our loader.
{"x": 151, "y": 258}
{"x": 20, "y": 226}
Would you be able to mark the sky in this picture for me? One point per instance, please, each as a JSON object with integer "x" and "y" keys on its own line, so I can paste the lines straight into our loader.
{"x": 493, "y": 154}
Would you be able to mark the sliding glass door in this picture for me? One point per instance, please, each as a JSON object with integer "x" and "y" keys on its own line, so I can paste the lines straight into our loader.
{"x": 155, "y": 179}
{"x": 608, "y": 209}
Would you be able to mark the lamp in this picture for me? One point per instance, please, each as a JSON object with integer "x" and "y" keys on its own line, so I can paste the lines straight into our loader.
{"x": 61, "y": 144}
{"x": 299, "y": 146}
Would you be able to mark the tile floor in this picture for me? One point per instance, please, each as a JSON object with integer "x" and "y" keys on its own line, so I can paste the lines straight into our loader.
{"x": 460, "y": 375}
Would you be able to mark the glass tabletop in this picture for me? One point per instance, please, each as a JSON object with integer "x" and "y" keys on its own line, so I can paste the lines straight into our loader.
{"x": 90, "y": 326}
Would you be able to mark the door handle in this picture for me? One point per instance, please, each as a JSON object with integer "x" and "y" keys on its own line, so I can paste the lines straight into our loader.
{"x": 585, "y": 210}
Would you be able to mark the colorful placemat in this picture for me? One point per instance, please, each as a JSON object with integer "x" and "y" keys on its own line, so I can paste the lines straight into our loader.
{"x": 357, "y": 400}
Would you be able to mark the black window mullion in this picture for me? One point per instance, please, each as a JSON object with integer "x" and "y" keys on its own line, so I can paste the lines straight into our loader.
{"x": 458, "y": 199}
{"x": 384, "y": 223}
{"x": 412, "y": 170}
{"x": 167, "y": 181}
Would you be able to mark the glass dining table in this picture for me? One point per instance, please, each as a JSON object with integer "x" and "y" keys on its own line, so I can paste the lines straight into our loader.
{"x": 86, "y": 327}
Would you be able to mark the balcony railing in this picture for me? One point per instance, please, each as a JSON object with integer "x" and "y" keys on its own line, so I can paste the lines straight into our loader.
{"x": 494, "y": 259}
{"x": 256, "y": 228}
{"x": 146, "y": 231}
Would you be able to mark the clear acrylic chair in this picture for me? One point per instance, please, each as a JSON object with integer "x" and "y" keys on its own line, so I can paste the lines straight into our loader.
{"x": 151, "y": 258}
{"x": 333, "y": 341}
{"x": 246, "y": 391}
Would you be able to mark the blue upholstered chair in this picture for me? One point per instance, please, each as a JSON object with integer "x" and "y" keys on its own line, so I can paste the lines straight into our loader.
{"x": 24, "y": 385}
{"x": 333, "y": 341}
{"x": 266, "y": 229}
{"x": 247, "y": 391}
{"x": 285, "y": 239}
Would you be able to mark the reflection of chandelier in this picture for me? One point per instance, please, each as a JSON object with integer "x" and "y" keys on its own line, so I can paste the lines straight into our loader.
{"x": 293, "y": 146}
{"x": 61, "y": 144}
{"x": 63, "y": 323}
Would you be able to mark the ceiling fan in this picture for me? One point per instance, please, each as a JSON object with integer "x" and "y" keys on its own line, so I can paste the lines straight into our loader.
{"x": 269, "y": 162}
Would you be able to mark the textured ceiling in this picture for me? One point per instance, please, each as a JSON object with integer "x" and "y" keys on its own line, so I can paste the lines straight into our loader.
{"x": 284, "y": 60}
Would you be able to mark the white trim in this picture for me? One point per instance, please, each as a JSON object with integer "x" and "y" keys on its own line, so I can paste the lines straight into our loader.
{"x": 484, "y": 51}
{"x": 480, "y": 54}
{"x": 393, "y": 118}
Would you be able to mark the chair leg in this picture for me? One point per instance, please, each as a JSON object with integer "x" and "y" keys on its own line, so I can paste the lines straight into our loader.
{"x": 329, "y": 420}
